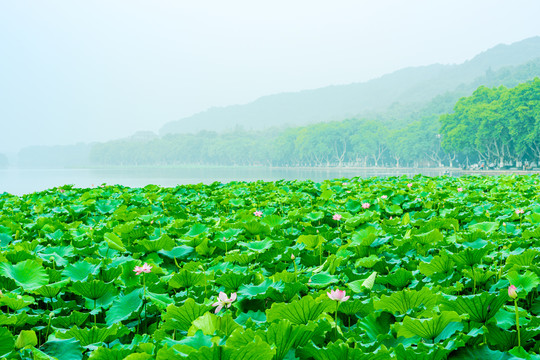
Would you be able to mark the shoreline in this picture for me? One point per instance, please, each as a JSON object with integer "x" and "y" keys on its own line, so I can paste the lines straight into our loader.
{"x": 374, "y": 169}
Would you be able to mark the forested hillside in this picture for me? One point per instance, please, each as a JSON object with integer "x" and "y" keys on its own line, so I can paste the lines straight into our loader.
{"x": 412, "y": 88}
{"x": 499, "y": 125}
{"x": 401, "y": 134}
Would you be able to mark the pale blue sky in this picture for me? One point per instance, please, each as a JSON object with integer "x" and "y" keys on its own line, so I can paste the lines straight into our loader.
{"x": 73, "y": 70}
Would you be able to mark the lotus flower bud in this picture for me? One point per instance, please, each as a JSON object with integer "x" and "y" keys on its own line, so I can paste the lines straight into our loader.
{"x": 512, "y": 292}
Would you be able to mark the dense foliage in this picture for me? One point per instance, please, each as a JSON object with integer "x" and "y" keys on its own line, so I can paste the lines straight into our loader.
{"x": 496, "y": 125}
{"x": 128, "y": 273}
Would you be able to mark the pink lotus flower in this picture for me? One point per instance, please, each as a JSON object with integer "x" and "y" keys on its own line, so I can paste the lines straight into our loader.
{"x": 366, "y": 205}
{"x": 224, "y": 301}
{"x": 519, "y": 211}
{"x": 409, "y": 185}
{"x": 142, "y": 269}
{"x": 337, "y": 295}
{"x": 344, "y": 184}
{"x": 384, "y": 197}
{"x": 337, "y": 217}
{"x": 459, "y": 189}
{"x": 258, "y": 213}
{"x": 512, "y": 291}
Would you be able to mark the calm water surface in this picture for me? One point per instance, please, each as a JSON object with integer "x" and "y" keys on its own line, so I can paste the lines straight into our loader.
{"x": 24, "y": 181}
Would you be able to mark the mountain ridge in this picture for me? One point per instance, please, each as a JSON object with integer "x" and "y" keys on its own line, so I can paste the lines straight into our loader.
{"x": 409, "y": 85}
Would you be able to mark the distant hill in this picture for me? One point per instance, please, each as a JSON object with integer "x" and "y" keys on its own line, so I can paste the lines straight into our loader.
{"x": 414, "y": 87}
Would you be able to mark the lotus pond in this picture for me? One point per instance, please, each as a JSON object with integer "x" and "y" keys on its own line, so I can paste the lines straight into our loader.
{"x": 397, "y": 268}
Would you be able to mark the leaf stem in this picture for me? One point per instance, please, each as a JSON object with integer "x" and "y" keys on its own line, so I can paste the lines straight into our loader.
{"x": 517, "y": 322}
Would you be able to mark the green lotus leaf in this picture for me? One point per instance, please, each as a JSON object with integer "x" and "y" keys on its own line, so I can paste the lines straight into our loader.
{"x": 398, "y": 279}
{"x": 69, "y": 349}
{"x": 401, "y": 302}
{"x": 367, "y": 262}
{"x": 480, "y": 307}
{"x": 255, "y": 227}
{"x": 111, "y": 274}
{"x": 432, "y": 237}
{"x": 298, "y": 312}
{"x": 93, "y": 290}
{"x": 257, "y": 291}
{"x": 258, "y": 246}
{"x": 441, "y": 264}
{"x": 233, "y": 280}
{"x": 255, "y": 350}
{"x": 243, "y": 258}
{"x": 339, "y": 351}
{"x": 531, "y": 233}
{"x": 16, "y": 302}
{"x": 58, "y": 254}
{"x": 312, "y": 242}
{"x": 88, "y": 336}
{"x": 186, "y": 279}
{"x": 124, "y": 307}
{"x": 26, "y": 338}
{"x": 197, "y": 230}
{"x": 274, "y": 221}
{"x": 80, "y": 270}
{"x": 28, "y": 274}
{"x": 103, "y": 353}
{"x": 375, "y": 324}
{"x": 527, "y": 281}
{"x": 210, "y": 323}
{"x": 323, "y": 280}
{"x": 429, "y": 328}
{"x": 7, "y": 341}
{"x": 526, "y": 258}
{"x": 179, "y": 252}
{"x": 315, "y": 215}
{"x": 51, "y": 290}
{"x": 75, "y": 318}
{"x": 481, "y": 352}
{"x": 197, "y": 341}
{"x": 365, "y": 236}
{"x": 160, "y": 300}
{"x": 163, "y": 243}
{"x": 356, "y": 306}
{"x": 114, "y": 242}
{"x": 204, "y": 249}
{"x": 487, "y": 227}
{"x": 181, "y": 317}
{"x": 472, "y": 255}
{"x": 505, "y": 340}
{"x": 370, "y": 281}
{"x": 422, "y": 352}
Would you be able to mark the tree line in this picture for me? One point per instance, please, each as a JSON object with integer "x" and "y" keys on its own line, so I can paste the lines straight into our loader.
{"x": 499, "y": 125}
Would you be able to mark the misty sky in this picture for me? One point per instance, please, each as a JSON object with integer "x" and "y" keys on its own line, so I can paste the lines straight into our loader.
{"x": 75, "y": 71}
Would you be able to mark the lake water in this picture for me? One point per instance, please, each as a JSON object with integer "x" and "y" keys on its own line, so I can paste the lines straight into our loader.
{"x": 24, "y": 181}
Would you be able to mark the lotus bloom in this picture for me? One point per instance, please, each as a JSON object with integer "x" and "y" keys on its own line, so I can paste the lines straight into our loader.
{"x": 519, "y": 211}
{"x": 258, "y": 213}
{"x": 337, "y": 217}
{"x": 224, "y": 301}
{"x": 366, "y": 205}
{"x": 142, "y": 269}
{"x": 409, "y": 185}
{"x": 384, "y": 197}
{"x": 337, "y": 295}
{"x": 459, "y": 189}
{"x": 512, "y": 291}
